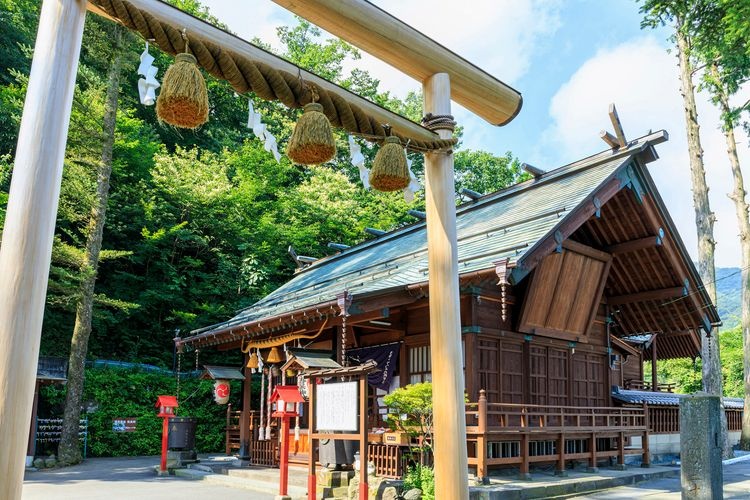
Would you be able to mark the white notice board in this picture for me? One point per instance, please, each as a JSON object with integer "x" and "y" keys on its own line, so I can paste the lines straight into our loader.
{"x": 336, "y": 407}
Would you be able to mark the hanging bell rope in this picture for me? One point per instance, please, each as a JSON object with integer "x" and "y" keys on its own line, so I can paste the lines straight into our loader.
{"x": 268, "y": 403}
{"x": 246, "y": 75}
{"x": 183, "y": 100}
{"x": 390, "y": 172}
{"x": 261, "y": 427}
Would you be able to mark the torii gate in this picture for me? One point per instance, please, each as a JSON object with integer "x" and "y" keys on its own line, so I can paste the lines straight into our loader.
{"x": 35, "y": 188}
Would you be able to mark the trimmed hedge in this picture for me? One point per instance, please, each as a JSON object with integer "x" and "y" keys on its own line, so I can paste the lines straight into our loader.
{"x": 122, "y": 393}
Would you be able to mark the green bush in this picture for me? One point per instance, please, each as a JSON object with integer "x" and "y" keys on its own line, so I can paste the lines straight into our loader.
{"x": 421, "y": 477}
{"x": 122, "y": 393}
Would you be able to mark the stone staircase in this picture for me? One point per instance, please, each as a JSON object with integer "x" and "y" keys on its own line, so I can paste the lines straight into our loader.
{"x": 332, "y": 485}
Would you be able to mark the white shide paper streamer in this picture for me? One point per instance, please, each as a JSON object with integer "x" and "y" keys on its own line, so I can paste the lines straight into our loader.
{"x": 147, "y": 86}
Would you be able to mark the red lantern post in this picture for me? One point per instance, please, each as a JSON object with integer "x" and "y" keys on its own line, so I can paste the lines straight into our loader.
{"x": 286, "y": 398}
{"x": 166, "y": 405}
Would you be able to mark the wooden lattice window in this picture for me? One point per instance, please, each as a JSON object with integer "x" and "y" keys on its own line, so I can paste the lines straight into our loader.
{"x": 420, "y": 364}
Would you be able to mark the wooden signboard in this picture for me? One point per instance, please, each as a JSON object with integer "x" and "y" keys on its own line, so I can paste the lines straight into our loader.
{"x": 336, "y": 408}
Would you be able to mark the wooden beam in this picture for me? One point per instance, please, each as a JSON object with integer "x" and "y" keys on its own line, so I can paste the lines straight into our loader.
{"x": 586, "y": 250}
{"x": 30, "y": 225}
{"x": 391, "y": 40}
{"x": 196, "y": 28}
{"x": 610, "y": 139}
{"x": 680, "y": 265}
{"x": 615, "y": 119}
{"x": 661, "y": 294}
{"x": 637, "y": 244}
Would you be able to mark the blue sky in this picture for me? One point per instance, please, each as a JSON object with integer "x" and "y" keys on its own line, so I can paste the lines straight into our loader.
{"x": 569, "y": 59}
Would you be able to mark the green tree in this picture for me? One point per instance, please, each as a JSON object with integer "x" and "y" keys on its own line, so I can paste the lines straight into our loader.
{"x": 679, "y": 14}
{"x": 69, "y": 451}
{"x": 716, "y": 30}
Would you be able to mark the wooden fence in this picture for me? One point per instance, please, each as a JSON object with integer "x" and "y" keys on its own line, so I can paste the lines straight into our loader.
{"x": 666, "y": 419}
{"x": 518, "y": 434}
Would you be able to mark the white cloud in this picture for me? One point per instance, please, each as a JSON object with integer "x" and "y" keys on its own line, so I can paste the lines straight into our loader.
{"x": 503, "y": 35}
{"x": 642, "y": 79}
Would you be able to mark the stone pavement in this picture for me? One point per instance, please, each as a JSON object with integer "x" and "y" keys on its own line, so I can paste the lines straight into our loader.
{"x": 736, "y": 485}
{"x": 134, "y": 478}
{"x": 123, "y": 479}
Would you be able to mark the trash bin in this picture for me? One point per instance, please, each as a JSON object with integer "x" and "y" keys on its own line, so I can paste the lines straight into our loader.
{"x": 182, "y": 433}
{"x": 336, "y": 453}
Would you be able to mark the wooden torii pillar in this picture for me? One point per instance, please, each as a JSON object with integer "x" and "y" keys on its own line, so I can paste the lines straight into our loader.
{"x": 30, "y": 224}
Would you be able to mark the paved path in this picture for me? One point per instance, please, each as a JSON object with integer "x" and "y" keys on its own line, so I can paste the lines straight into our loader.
{"x": 123, "y": 479}
{"x": 736, "y": 485}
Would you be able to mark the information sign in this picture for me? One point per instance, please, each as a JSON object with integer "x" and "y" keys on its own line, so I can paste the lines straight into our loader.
{"x": 336, "y": 407}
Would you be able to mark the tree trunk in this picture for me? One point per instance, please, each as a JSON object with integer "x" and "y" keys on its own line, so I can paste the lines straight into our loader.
{"x": 743, "y": 223}
{"x": 704, "y": 222}
{"x": 69, "y": 451}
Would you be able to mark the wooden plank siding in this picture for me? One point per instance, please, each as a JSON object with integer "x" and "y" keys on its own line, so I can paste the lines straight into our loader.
{"x": 564, "y": 293}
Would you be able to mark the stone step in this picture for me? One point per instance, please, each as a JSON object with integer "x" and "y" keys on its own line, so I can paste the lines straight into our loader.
{"x": 335, "y": 493}
{"x": 248, "y": 483}
{"x": 297, "y": 476}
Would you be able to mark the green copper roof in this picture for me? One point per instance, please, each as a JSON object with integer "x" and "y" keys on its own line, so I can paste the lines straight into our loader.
{"x": 507, "y": 223}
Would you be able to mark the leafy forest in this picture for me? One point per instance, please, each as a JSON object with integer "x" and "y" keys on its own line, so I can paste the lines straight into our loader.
{"x": 198, "y": 224}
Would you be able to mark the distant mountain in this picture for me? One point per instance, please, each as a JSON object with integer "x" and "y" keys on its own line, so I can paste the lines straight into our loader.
{"x": 728, "y": 295}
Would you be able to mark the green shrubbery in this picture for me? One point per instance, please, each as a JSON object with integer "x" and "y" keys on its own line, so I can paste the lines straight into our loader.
{"x": 122, "y": 393}
{"x": 421, "y": 477}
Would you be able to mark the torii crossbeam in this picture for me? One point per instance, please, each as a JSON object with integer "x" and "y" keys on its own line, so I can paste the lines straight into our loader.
{"x": 35, "y": 188}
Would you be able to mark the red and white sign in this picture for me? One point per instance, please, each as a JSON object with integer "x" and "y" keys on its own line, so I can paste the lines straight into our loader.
{"x": 221, "y": 391}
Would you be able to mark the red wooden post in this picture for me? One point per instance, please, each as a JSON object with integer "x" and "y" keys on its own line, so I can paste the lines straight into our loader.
{"x": 284, "y": 459}
{"x": 164, "y": 437}
{"x": 363, "y": 458}
{"x": 481, "y": 437}
{"x": 311, "y": 457}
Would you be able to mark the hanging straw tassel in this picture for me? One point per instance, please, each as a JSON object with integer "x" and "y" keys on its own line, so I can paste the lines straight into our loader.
{"x": 183, "y": 100}
{"x": 312, "y": 141}
{"x": 389, "y": 170}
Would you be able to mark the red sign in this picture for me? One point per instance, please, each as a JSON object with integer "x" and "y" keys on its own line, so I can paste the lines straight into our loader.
{"x": 124, "y": 424}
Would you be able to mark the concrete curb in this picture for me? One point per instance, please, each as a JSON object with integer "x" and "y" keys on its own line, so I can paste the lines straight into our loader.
{"x": 565, "y": 489}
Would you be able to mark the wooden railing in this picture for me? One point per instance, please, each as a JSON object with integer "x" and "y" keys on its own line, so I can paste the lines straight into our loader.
{"x": 646, "y": 385}
{"x": 518, "y": 434}
{"x": 388, "y": 460}
{"x": 232, "y": 437}
{"x": 734, "y": 419}
{"x": 666, "y": 419}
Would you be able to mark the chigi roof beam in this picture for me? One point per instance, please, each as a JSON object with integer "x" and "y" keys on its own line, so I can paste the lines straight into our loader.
{"x": 473, "y": 195}
{"x": 531, "y": 169}
{"x": 375, "y": 232}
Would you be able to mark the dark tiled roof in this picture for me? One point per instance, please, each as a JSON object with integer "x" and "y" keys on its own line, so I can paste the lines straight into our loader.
{"x": 662, "y": 398}
{"x": 222, "y": 373}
